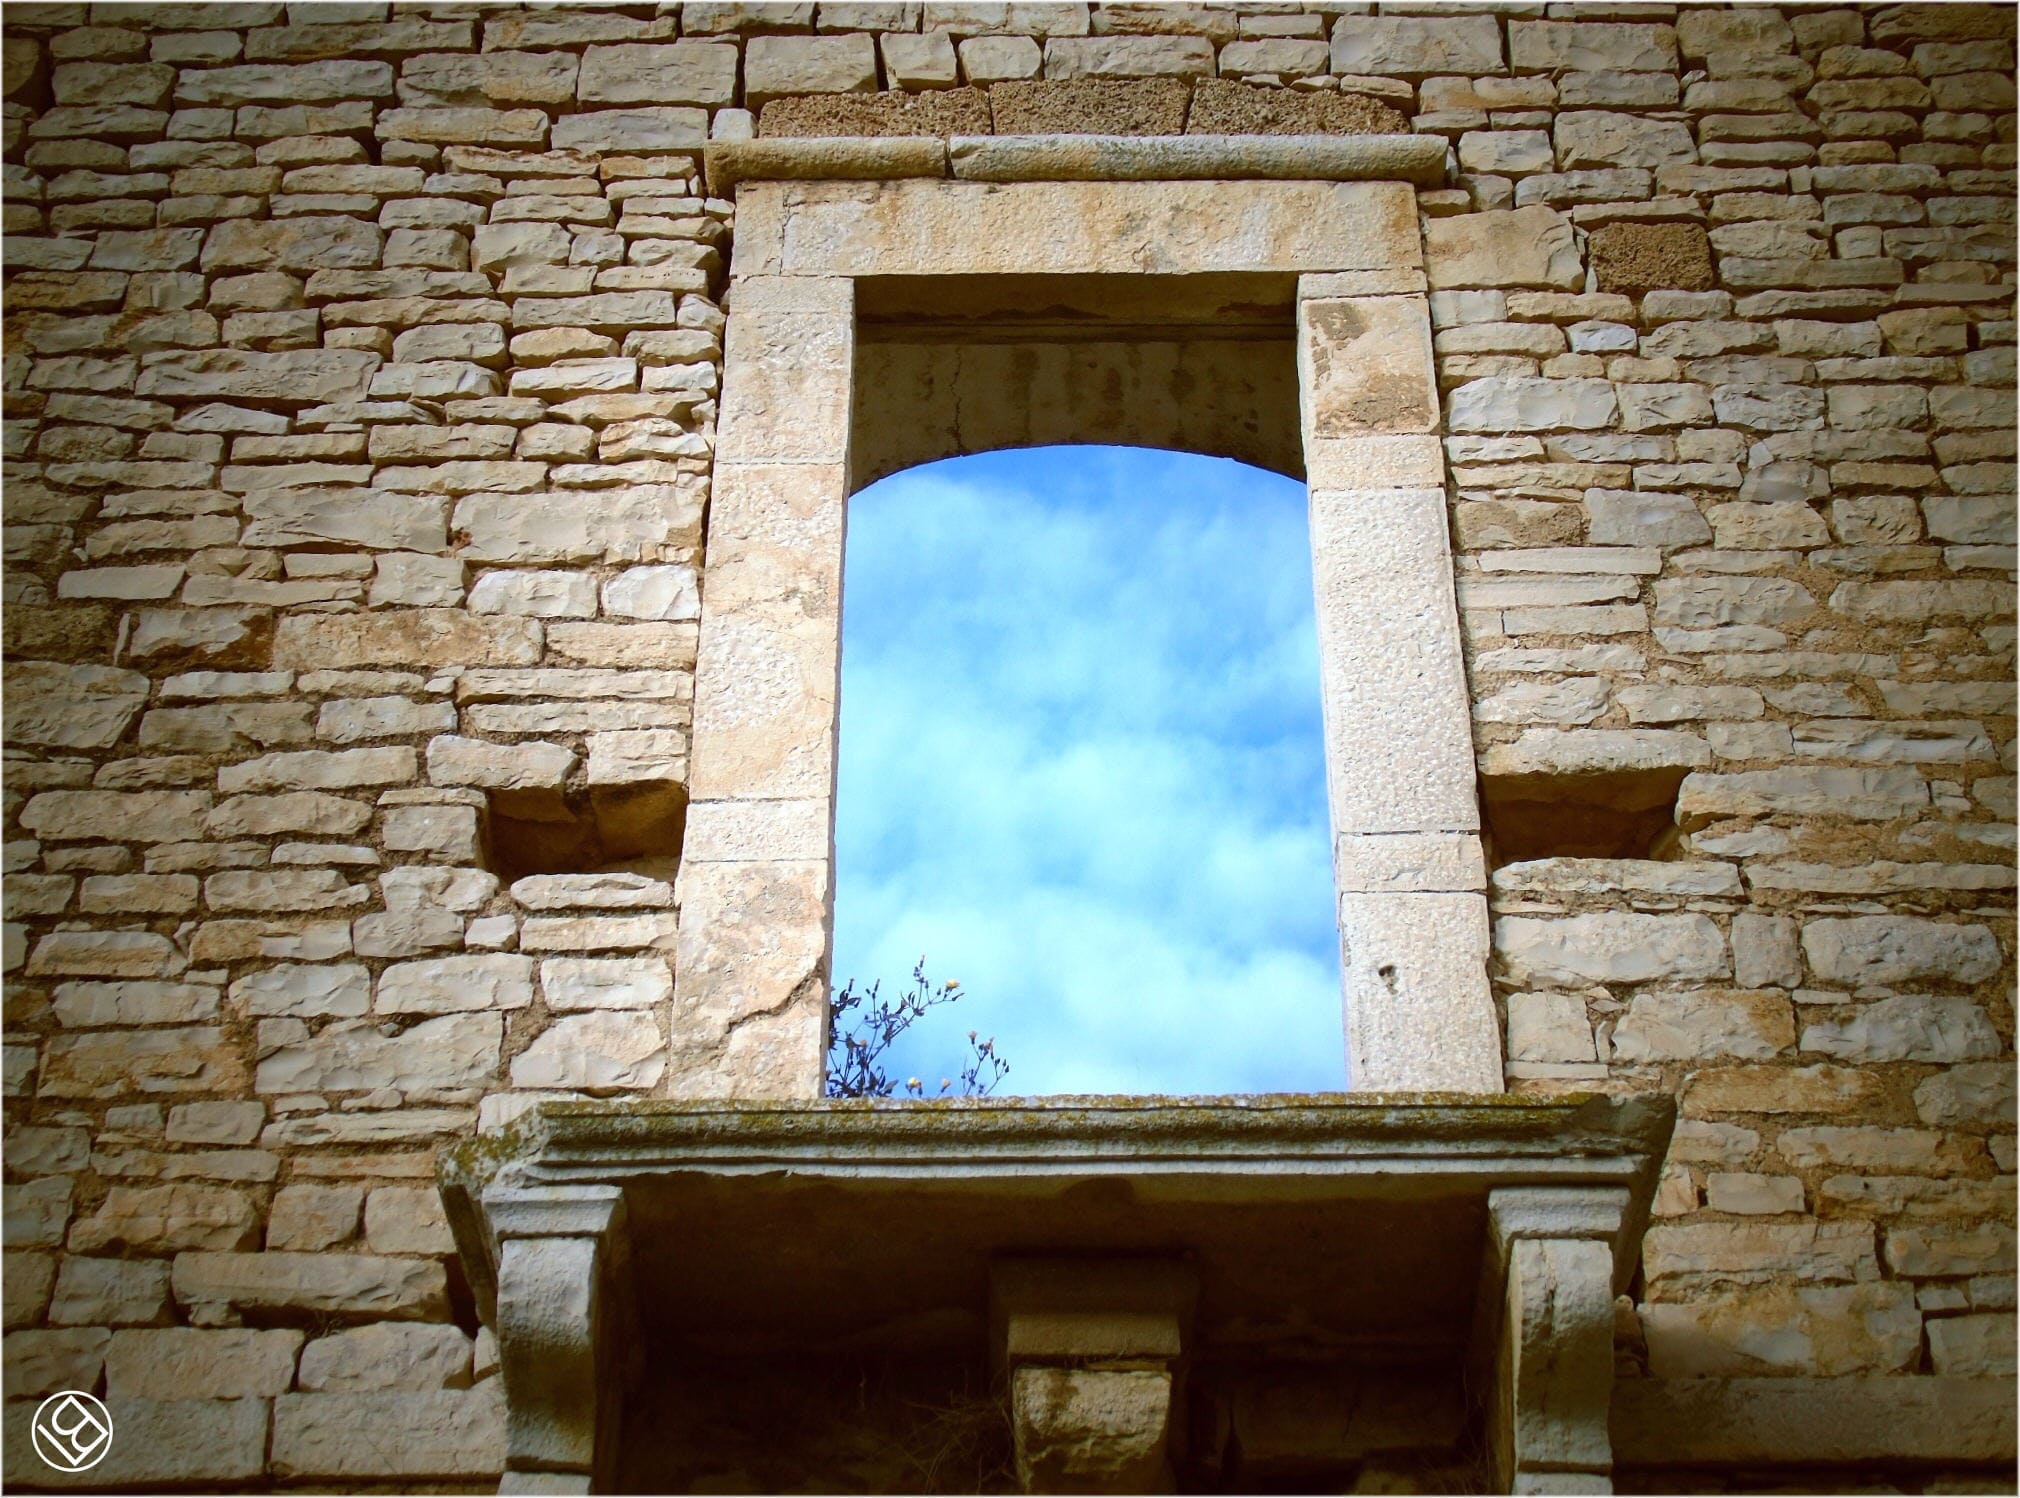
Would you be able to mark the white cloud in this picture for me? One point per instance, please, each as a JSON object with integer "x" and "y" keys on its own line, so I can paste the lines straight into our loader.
{"x": 1081, "y": 770}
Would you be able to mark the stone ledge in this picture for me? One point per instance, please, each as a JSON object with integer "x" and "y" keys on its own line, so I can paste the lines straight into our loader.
{"x": 1418, "y": 159}
{"x": 1703, "y": 1422}
{"x": 1124, "y": 158}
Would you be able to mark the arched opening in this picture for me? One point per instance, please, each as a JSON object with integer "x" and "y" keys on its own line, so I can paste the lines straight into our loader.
{"x": 1082, "y": 771}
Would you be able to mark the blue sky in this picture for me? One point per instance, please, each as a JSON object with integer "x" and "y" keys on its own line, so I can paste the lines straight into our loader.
{"x": 1082, "y": 772}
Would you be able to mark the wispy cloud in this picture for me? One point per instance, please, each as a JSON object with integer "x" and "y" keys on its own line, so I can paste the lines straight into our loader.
{"x": 1081, "y": 770}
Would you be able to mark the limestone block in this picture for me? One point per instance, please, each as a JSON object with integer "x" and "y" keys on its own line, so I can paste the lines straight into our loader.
{"x": 1590, "y": 47}
{"x": 310, "y": 1217}
{"x": 112, "y": 1063}
{"x": 601, "y": 1049}
{"x": 1505, "y": 247}
{"x": 456, "y": 1050}
{"x": 778, "y": 65}
{"x": 1868, "y": 950}
{"x": 1408, "y": 862}
{"x": 36, "y": 1212}
{"x": 637, "y": 756}
{"x": 417, "y": 581}
{"x": 995, "y": 59}
{"x": 290, "y": 811}
{"x": 1765, "y": 950}
{"x": 1594, "y": 751}
{"x": 448, "y": 985}
{"x": 197, "y": 1443}
{"x": 1686, "y": 1027}
{"x": 640, "y": 128}
{"x": 1827, "y": 1330}
{"x": 107, "y": 1292}
{"x": 653, "y": 593}
{"x": 1605, "y": 138}
{"x": 269, "y": 83}
{"x": 569, "y": 983}
{"x": 1981, "y": 1093}
{"x": 387, "y": 1355}
{"x": 401, "y": 637}
{"x": 1518, "y": 403}
{"x": 46, "y": 1361}
{"x": 1631, "y": 257}
{"x": 1856, "y": 794}
{"x": 71, "y": 707}
{"x": 94, "y": 1005}
{"x": 1907, "y": 1028}
{"x": 1417, "y": 46}
{"x": 1365, "y": 366}
{"x": 1174, "y": 228}
{"x": 491, "y": 127}
{"x": 759, "y": 830}
{"x": 640, "y": 522}
{"x": 34, "y": 1150}
{"x": 1121, "y": 56}
{"x": 453, "y": 78}
{"x": 913, "y": 62}
{"x": 546, "y": 595}
{"x": 1091, "y": 1430}
{"x": 1549, "y": 1027}
{"x": 439, "y": 1434}
{"x": 753, "y": 974}
{"x": 1862, "y": 1148}
{"x": 611, "y": 891}
{"x": 407, "y": 1220}
{"x": 1392, "y": 683}
{"x": 155, "y": 1219}
{"x": 1782, "y": 1089}
{"x": 1951, "y": 1252}
{"x": 1681, "y": 1260}
{"x": 359, "y": 1286}
{"x": 117, "y": 816}
{"x": 1419, "y": 1015}
{"x": 1973, "y": 1346}
{"x": 1610, "y": 947}
{"x": 186, "y": 1363}
{"x": 788, "y": 378}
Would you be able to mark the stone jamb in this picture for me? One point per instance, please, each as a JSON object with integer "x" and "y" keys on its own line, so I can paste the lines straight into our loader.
{"x": 757, "y": 883}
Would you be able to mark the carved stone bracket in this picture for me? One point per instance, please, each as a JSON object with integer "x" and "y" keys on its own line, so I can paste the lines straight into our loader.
{"x": 1552, "y": 1268}
{"x": 563, "y": 1324}
{"x": 1092, "y": 1351}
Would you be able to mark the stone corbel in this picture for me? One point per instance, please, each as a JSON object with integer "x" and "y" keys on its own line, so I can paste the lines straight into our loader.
{"x": 563, "y": 1322}
{"x": 1092, "y": 1353}
{"x": 1546, "y": 1324}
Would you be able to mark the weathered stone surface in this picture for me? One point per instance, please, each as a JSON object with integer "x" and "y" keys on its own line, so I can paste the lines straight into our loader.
{"x": 185, "y": 1363}
{"x": 1506, "y": 247}
{"x": 71, "y": 707}
{"x": 296, "y": 378}
{"x": 161, "y": 1218}
{"x": 116, "y": 1063}
{"x": 1827, "y": 1330}
{"x": 1610, "y": 948}
{"x": 457, "y": 1050}
{"x": 1685, "y": 1027}
{"x": 305, "y": 990}
{"x": 407, "y": 1220}
{"x": 1094, "y": 1430}
{"x": 1981, "y": 1093}
{"x": 1907, "y": 1028}
{"x": 46, "y": 1361}
{"x": 1417, "y": 46}
{"x": 605, "y": 982}
{"x": 109, "y": 1292}
{"x": 1973, "y": 1346}
{"x": 446, "y": 985}
{"x": 358, "y": 1286}
{"x": 197, "y": 1443}
{"x": 405, "y": 637}
{"x": 1899, "y": 949}
{"x": 443, "y": 1434}
{"x": 602, "y": 1049}
{"x": 387, "y": 1355}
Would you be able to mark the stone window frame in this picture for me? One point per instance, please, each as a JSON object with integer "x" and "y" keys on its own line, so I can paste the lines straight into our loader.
{"x": 756, "y": 886}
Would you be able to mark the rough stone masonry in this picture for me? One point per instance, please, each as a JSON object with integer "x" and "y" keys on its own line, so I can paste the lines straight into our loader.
{"x": 360, "y": 373}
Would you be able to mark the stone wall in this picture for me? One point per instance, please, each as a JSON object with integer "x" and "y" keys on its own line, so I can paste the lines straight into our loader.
{"x": 360, "y": 375}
